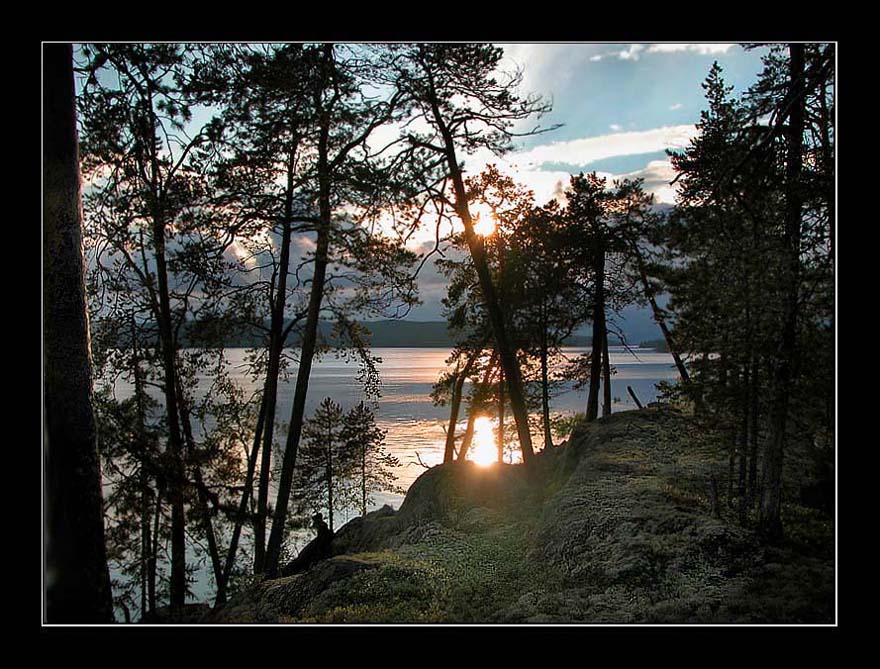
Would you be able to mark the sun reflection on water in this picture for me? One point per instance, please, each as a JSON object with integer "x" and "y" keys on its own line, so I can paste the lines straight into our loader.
{"x": 484, "y": 450}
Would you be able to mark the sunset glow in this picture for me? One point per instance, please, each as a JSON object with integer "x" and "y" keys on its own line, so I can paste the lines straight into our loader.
{"x": 483, "y": 451}
{"x": 483, "y": 220}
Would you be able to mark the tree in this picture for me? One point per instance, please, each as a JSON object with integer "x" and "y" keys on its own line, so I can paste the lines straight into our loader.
{"x": 541, "y": 264}
{"x": 370, "y": 465}
{"x": 751, "y": 272}
{"x": 322, "y": 462}
{"x": 158, "y": 256}
{"x": 599, "y": 224}
{"x": 77, "y": 577}
{"x": 454, "y": 91}
{"x": 345, "y": 174}
{"x": 268, "y": 117}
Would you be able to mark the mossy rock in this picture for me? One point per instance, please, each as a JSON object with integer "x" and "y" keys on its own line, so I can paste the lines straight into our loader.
{"x": 617, "y": 525}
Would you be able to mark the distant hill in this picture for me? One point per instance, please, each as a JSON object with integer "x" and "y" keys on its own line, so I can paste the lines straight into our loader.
{"x": 637, "y": 326}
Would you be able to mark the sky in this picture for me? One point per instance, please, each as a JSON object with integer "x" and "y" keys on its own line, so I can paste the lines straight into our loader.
{"x": 620, "y": 105}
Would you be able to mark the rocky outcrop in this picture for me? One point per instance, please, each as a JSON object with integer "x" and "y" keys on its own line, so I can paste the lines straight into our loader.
{"x": 616, "y": 525}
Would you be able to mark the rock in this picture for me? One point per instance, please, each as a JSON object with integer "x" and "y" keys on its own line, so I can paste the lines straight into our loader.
{"x": 271, "y": 600}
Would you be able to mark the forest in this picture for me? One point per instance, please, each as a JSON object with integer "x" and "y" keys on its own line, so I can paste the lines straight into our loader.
{"x": 200, "y": 197}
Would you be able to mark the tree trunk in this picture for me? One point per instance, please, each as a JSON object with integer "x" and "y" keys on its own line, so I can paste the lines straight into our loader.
{"x": 364, "y": 480}
{"x": 77, "y": 577}
{"x": 472, "y": 415}
{"x": 754, "y": 433}
{"x": 330, "y": 480}
{"x": 202, "y": 492}
{"x": 310, "y": 338}
{"x": 276, "y": 348}
{"x": 661, "y": 320}
{"x": 154, "y": 552}
{"x": 743, "y": 445}
{"x": 177, "y": 478}
{"x": 501, "y": 417}
{"x": 245, "y": 497}
{"x": 270, "y": 392}
{"x": 606, "y": 375}
{"x": 771, "y": 489}
{"x": 545, "y": 391}
{"x": 468, "y": 437}
{"x": 449, "y": 452}
{"x": 144, "y": 474}
{"x": 597, "y": 344}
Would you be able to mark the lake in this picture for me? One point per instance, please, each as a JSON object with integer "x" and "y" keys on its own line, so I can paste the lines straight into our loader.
{"x": 414, "y": 426}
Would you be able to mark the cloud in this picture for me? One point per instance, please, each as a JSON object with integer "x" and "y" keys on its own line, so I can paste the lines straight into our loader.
{"x": 677, "y": 105}
{"x": 615, "y": 127}
{"x": 657, "y": 176}
{"x": 634, "y": 51}
{"x": 547, "y": 67}
{"x": 581, "y": 152}
{"x": 631, "y": 52}
{"x": 701, "y": 49}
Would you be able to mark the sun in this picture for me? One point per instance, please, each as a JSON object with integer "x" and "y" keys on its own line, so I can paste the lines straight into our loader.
{"x": 484, "y": 219}
{"x": 484, "y": 451}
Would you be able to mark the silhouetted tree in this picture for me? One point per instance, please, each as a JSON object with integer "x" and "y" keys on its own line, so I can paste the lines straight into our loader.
{"x": 77, "y": 577}
{"x": 455, "y": 92}
{"x": 344, "y": 174}
{"x": 322, "y": 462}
{"x": 370, "y": 467}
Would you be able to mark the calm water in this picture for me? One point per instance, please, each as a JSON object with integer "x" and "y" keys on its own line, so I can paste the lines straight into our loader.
{"x": 415, "y": 427}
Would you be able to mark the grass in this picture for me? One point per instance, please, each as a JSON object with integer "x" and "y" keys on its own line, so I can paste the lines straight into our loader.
{"x": 618, "y": 527}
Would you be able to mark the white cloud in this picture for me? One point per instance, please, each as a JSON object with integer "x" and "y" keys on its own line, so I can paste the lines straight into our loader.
{"x": 677, "y": 105}
{"x": 657, "y": 176}
{"x": 584, "y": 151}
{"x": 634, "y": 51}
{"x": 615, "y": 127}
{"x": 702, "y": 49}
{"x": 631, "y": 52}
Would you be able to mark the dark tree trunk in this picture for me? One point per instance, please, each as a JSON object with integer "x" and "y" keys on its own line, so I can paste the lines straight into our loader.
{"x": 754, "y": 433}
{"x": 455, "y": 405}
{"x": 606, "y": 375}
{"x": 468, "y": 437}
{"x": 660, "y": 319}
{"x": 270, "y": 392}
{"x": 77, "y": 577}
{"x": 597, "y": 344}
{"x": 771, "y": 488}
{"x": 501, "y": 402}
{"x": 632, "y": 393}
{"x": 276, "y": 348}
{"x": 743, "y": 445}
{"x": 177, "y": 477}
{"x": 364, "y": 480}
{"x": 245, "y": 497}
{"x": 330, "y": 480}
{"x": 309, "y": 343}
{"x": 154, "y": 553}
{"x": 545, "y": 389}
{"x": 144, "y": 474}
{"x": 203, "y": 497}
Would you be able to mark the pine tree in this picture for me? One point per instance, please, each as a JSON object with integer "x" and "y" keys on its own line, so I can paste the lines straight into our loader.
{"x": 370, "y": 468}
{"x": 323, "y": 462}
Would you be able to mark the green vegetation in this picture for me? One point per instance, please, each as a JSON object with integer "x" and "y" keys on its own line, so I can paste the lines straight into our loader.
{"x": 618, "y": 525}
